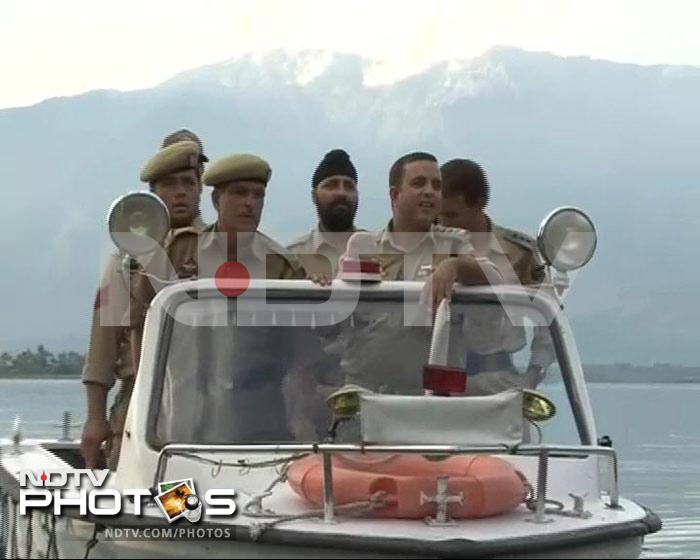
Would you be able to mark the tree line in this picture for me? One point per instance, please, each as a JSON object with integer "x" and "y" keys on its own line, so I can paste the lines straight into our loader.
{"x": 41, "y": 363}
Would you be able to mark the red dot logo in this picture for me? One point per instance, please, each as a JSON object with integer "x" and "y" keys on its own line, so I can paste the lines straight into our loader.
{"x": 43, "y": 477}
{"x": 232, "y": 279}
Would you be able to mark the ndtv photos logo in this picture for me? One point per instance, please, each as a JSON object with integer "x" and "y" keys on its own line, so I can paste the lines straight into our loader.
{"x": 83, "y": 488}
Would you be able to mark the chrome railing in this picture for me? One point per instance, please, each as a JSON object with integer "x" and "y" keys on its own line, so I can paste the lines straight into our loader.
{"x": 543, "y": 452}
{"x": 41, "y": 429}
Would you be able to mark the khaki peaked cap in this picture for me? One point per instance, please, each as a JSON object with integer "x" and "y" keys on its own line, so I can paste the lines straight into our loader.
{"x": 176, "y": 157}
{"x": 237, "y": 167}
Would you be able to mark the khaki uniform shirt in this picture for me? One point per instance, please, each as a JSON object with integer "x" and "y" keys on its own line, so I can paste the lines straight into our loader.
{"x": 243, "y": 378}
{"x": 195, "y": 254}
{"x": 109, "y": 355}
{"x": 191, "y": 254}
{"x": 519, "y": 251}
{"x": 517, "y": 257}
{"x": 383, "y": 353}
{"x": 429, "y": 250}
{"x": 317, "y": 251}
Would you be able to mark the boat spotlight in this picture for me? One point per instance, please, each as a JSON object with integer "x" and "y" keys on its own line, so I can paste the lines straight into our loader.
{"x": 567, "y": 239}
{"x": 138, "y": 223}
{"x": 537, "y": 407}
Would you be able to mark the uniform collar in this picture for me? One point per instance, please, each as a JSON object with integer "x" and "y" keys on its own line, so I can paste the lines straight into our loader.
{"x": 212, "y": 236}
{"x": 198, "y": 223}
{"x": 385, "y": 237}
{"x": 318, "y": 237}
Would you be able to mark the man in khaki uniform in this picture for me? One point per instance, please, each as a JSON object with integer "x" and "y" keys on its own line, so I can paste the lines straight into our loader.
{"x": 109, "y": 356}
{"x": 240, "y": 183}
{"x": 246, "y": 371}
{"x": 388, "y": 355}
{"x": 465, "y": 197}
{"x": 334, "y": 193}
{"x": 412, "y": 247}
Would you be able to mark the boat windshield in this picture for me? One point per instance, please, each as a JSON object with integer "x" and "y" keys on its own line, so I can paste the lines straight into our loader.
{"x": 253, "y": 384}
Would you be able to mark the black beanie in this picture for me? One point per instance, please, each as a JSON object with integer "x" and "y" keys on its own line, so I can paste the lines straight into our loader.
{"x": 335, "y": 162}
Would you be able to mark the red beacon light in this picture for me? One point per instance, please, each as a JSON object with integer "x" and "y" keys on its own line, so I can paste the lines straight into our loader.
{"x": 443, "y": 381}
{"x": 360, "y": 263}
{"x": 439, "y": 379}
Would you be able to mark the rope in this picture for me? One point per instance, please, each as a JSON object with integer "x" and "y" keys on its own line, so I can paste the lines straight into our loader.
{"x": 52, "y": 545}
{"x": 356, "y": 509}
{"x": 242, "y": 464}
{"x": 254, "y": 507}
{"x": 29, "y": 537}
{"x": 531, "y": 502}
{"x": 4, "y": 523}
{"x": 14, "y": 552}
{"x": 91, "y": 543}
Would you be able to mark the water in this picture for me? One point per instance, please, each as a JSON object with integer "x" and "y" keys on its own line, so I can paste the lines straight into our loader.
{"x": 655, "y": 430}
{"x": 40, "y": 403}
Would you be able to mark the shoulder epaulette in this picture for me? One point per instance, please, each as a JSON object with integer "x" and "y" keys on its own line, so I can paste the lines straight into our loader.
{"x": 517, "y": 238}
{"x": 457, "y": 237}
{"x": 451, "y": 231}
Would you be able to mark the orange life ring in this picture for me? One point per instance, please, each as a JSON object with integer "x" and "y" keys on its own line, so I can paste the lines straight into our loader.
{"x": 490, "y": 486}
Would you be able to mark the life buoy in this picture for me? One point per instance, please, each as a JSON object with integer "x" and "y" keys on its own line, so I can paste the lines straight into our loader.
{"x": 490, "y": 486}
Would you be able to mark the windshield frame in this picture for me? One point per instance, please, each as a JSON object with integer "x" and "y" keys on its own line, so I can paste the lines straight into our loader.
{"x": 165, "y": 304}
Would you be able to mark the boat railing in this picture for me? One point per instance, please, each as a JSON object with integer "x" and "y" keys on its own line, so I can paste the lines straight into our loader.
{"x": 41, "y": 429}
{"x": 327, "y": 450}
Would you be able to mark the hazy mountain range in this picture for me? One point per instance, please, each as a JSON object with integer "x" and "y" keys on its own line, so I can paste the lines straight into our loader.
{"x": 619, "y": 140}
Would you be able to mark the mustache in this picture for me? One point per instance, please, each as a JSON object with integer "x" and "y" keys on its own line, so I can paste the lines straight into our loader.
{"x": 341, "y": 202}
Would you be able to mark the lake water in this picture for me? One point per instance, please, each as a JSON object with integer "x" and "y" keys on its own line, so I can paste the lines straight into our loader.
{"x": 655, "y": 429}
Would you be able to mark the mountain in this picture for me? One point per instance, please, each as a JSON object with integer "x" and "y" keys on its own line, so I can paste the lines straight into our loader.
{"x": 615, "y": 139}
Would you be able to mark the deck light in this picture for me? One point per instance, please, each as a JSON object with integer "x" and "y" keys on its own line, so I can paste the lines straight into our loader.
{"x": 138, "y": 223}
{"x": 567, "y": 239}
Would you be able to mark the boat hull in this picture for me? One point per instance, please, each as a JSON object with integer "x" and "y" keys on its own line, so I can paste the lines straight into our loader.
{"x": 73, "y": 538}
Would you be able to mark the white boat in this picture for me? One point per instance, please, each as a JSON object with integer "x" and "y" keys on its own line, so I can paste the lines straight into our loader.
{"x": 231, "y": 395}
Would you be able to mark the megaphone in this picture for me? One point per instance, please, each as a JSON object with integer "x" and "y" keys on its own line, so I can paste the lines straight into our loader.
{"x": 138, "y": 223}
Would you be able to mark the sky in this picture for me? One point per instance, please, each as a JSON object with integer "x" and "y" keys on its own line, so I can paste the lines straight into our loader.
{"x": 62, "y": 48}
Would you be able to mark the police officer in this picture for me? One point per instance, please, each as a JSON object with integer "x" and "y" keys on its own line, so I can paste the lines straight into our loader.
{"x": 176, "y": 179}
{"x": 240, "y": 184}
{"x": 245, "y": 374}
{"x": 334, "y": 193}
{"x": 466, "y": 195}
{"x": 411, "y": 247}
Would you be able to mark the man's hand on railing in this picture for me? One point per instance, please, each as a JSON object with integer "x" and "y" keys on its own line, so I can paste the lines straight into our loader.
{"x": 321, "y": 279}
